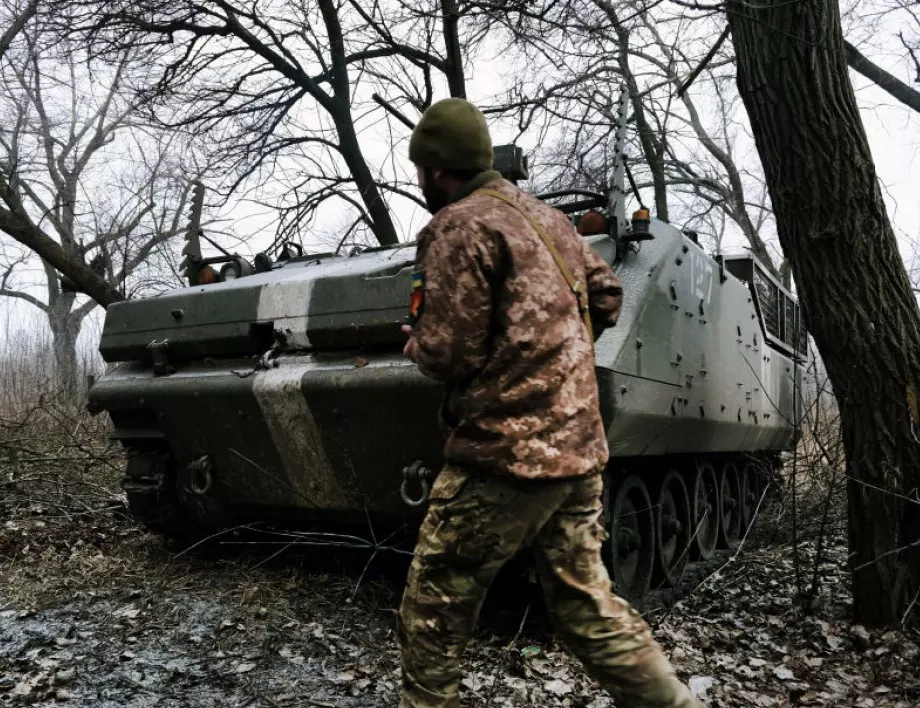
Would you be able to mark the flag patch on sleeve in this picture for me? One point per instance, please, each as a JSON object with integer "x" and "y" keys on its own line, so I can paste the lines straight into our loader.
{"x": 417, "y": 300}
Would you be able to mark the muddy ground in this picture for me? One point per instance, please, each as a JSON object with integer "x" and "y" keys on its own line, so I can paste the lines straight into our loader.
{"x": 96, "y": 612}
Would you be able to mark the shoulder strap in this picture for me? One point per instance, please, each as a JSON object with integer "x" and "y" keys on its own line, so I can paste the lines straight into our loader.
{"x": 576, "y": 286}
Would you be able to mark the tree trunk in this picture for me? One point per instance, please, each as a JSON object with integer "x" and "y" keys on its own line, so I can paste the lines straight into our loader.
{"x": 454, "y": 53}
{"x": 65, "y": 328}
{"x": 382, "y": 225}
{"x": 855, "y": 293}
{"x": 349, "y": 147}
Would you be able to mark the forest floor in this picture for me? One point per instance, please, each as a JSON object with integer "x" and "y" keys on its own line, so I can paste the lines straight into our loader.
{"x": 96, "y": 612}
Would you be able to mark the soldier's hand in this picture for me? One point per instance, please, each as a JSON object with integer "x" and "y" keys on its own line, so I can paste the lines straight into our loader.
{"x": 411, "y": 347}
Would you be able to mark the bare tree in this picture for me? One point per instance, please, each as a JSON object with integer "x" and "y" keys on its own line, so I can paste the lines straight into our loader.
{"x": 74, "y": 175}
{"x": 654, "y": 143}
{"x": 718, "y": 181}
{"x": 854, "y": 289}
{"x": 578, "y": 52}
{"x": 283, "y": 90}
{"x": 14, "y": 219}
{"x": 573, "y": 57}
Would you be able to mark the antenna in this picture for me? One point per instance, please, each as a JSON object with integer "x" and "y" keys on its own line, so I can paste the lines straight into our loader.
{"x": 192, "y": 250}
{"x": 618, "y": 190}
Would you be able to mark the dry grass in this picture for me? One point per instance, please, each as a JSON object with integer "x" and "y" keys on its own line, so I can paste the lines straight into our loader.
{"x": 27, "y": 362}
{"x": 56, "y": 458}
{"x": 59, "y": 478}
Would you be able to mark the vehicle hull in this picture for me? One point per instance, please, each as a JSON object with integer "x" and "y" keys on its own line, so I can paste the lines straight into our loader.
{"x": 305, "y": 411}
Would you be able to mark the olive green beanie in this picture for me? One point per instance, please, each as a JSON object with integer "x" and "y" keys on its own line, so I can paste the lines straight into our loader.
{"x": 452, "y": 134}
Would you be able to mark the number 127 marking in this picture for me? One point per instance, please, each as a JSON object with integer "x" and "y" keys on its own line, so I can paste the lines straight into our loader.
{"x": 700, "y": 276}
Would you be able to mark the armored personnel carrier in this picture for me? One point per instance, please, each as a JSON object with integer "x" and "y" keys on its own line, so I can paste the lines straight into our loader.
{"x": 276, "y": 391}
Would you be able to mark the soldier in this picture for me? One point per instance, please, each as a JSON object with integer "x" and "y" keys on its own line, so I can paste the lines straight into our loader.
{"x": 505, "y": 297}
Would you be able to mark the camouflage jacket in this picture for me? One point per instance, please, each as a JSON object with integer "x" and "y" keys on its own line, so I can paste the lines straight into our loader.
{"x": 496, "y": 322}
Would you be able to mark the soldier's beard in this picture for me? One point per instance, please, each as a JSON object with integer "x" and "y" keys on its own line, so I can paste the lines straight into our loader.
{"x": 436, "y": 198}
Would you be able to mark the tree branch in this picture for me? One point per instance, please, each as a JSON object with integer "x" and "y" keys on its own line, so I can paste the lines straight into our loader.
{"x": 682, "y": 89}
{"x": 142, "y": 254}
{"x": 31, "y": 299}
{"x": 454, "y": 53}
{"x": 16, "y": 26}
{"x": 69, "y": 264}
{"x": 913, "y": 54}
{"x": 891, "y": 84}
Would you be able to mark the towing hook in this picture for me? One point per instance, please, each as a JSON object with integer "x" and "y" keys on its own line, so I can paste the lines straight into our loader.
{"x": 418, "y": 473}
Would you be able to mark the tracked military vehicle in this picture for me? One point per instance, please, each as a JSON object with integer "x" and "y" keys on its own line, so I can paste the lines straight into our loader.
{"x": 277, "y": 392}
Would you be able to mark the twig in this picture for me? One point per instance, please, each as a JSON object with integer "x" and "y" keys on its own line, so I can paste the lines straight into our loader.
{"x": 910, "y": 607}
{"x": 741, "y": 543}
{"x": 70, "y": 516}
{"x": 283, "y": 482}
{"x": 52, "y": 458}
{"x": 893, "y": 551}
{"x": 273, "y": 555}
{"x": 819, "y": 551}
{"x": 314, "y": 538}
{"x": 218, "y": 534}
{"x": 363, "y": 572}
{"x": 883, "y": 491}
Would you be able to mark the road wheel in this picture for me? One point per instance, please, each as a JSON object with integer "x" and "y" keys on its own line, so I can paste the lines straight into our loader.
{"x": 673, "y": 524}
{"x": 632, "y": 538}
{"x": 705, "y": 500}
{"x": 729, "y": 506}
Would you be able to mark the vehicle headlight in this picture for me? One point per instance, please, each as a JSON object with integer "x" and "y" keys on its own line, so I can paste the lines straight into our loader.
{"x": 230, "y": 271}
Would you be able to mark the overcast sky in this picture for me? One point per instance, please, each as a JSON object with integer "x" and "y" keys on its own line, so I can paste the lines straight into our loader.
{"x": 893, "y": 130}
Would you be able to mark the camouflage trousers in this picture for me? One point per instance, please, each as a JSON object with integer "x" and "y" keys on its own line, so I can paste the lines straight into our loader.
{"x": 474, "y": 525}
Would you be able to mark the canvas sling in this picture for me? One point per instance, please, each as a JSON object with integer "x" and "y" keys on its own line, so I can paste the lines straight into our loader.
{"x": 576, "y": 286}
